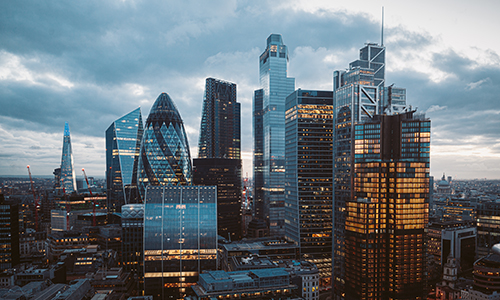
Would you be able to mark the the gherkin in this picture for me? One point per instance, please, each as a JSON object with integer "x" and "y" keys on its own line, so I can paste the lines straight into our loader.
{"x": 164, "y": 158}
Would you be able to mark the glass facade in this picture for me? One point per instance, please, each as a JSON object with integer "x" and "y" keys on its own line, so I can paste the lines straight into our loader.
{"x": 309, "y": 177}
{"x": 9, "y": 235}
{"x": 68, "y": 177}
{"x": 180, "y": 238}
{"x": 275, "y": 86}
{"x": 220, "y": 121}
{"x": 357, "y": 98}
{"x": 123, "y": 142}
{"x": 165, "y": 158}
{"x": 386, "y": 219}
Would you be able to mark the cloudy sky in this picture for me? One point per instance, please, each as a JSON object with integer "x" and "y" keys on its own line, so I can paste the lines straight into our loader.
{"x": 90, "y": 62}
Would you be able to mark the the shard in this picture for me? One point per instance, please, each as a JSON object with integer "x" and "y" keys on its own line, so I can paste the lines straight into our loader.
{"x": 165, "y": 158}
{"x": 68, "y": 178}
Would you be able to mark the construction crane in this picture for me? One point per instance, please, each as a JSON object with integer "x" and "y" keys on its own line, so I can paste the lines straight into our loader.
{"x": 90, "y": 191}
{"x": 35, "y": 198}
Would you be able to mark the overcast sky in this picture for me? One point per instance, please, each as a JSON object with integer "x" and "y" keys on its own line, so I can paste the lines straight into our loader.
{"x": 91, "y": 62}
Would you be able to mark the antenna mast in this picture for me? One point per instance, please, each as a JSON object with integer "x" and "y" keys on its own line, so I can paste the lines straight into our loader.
{"x": 382, "y": 33}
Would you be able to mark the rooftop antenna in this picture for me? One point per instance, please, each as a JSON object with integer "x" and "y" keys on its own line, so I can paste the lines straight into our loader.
{"x": 382, "y": 34}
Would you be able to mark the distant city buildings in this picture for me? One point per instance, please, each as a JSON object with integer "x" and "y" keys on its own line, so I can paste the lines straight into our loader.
{"x": 123, "y": 143}
{"x": 269, "y": 134}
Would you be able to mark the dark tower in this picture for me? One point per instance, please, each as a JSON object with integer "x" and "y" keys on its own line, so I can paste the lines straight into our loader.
{"x": 219, "y": 159}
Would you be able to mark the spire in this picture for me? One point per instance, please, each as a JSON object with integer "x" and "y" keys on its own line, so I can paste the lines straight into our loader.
{"x": 66, "y": 129}
{"x": 382, "y": 31}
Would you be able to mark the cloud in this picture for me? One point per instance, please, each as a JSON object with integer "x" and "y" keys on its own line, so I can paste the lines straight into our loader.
{"x": 92, "y": 62}
{"x": 474, "y": 85}
{"x": 434, "y": 108}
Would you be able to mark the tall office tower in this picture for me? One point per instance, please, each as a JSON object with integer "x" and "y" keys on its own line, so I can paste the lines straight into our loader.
{"x": 275, "y": 86}
{"x": 180, "y": 238}
{"x": 123, "y": 145}
{"x": 358, "y": 95}
{"x": 259, "y": 212}
{"x": 165, "y": 158}
{"x": 309, "y": 177}
{"x": 68, "y": 177}
{"x": 219, "y": 159}
{"x": 133, "y": 241}
{"x": 386, "y": 216}
{"x": 9, "y": 235}
{"x": 220, "y": 121}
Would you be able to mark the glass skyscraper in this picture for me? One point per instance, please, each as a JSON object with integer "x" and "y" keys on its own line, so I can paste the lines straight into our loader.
{"x": 220, "y": 121}
{"x": 219, "y": 158}
{"x": 386, "y": 218}
{"x": 123, "y": 142}
{"x": 309, "y": 177}
{"x": 164, "y": 158}
{"x": 68, "y": 177}
{"x": 359, "y": 94}
{"x": 180, "y": 238}
{"x": 276, "y": 86}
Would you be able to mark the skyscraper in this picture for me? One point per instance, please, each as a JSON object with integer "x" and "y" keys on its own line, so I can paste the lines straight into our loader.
{"x": 180, "y": 238}
{"x": 388, "y": 213}
{"x": 309, "y": 177}
{"x": 219, "y": 159}
{"x": 358, "y": 95}
{"x": 123, "y": 143}
{"x": 68, "y": 178}
{"x": 275, "y": 86}
{"x": 220, "y": 121}
{"x": 164, "y": 158}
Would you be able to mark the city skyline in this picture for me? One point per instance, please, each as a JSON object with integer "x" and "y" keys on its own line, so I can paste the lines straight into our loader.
{"x": 98, "y": 67}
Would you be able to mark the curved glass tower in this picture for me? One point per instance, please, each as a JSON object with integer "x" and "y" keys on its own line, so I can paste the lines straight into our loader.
{"x": 123, "y": 143}
{"x": 68, "y": 178}
{"x": 165, "y": 158}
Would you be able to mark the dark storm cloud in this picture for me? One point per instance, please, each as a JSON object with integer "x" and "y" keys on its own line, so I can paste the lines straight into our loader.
{"x": 90, "y": 62}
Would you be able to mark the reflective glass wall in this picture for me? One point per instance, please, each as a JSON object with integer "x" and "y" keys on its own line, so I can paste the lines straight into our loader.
{"x": 180, "y": 238}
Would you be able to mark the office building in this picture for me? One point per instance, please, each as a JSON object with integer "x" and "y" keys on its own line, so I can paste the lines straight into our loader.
{"x": 165, "y": 158}
{"x": 387, "y": 216}
{"x": 274, "y": 249}
{"x": 219, "y": 158}
{"x": 255, "y": 284}
{"x": 359, "y": 94}
{"x": 123, "y": 143}
{"x": 67, "y": 176}
{"x": 270, "y": 136}
{"x": 9, "y": 235}
{"x": 180, "y": 238}
{"x": 309, "y": 177}
{"x": 226, "y": 175}
{"x": 220, "y": 131}
{"x": 488, "y": 227}
{"x": 132, "y": 241}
